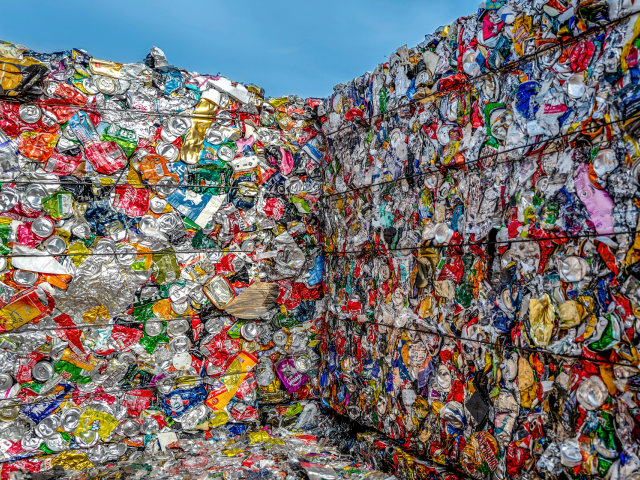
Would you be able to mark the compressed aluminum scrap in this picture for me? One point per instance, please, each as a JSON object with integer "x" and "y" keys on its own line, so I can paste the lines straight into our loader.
{"x": 161, "y": 256}
{"x": 482, "y": 215}
{"x": 272, "y": 452}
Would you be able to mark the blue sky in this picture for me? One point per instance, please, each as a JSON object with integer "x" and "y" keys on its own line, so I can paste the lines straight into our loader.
{"x": 286, "y": 47}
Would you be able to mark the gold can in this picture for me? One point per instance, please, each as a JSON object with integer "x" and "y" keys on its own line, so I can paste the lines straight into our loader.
{"x": 107, "y": 68}
{"x": 204, "y": 113}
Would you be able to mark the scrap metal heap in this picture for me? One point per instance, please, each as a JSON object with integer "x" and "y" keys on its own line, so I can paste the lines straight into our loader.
{"x": 432, "y": 273}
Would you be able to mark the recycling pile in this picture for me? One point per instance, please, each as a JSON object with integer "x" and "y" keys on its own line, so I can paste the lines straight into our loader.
{"x": 445, "y": 250}
{"x": 272, "y": 452}
{"x": 161, "y": 257}
{"x": 481, "y": 241}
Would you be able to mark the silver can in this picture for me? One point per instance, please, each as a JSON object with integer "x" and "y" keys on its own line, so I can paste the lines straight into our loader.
{"x": 168, "y": 222}
{"x": 98, "y": 375}
{"x": 226, "y": 153}
{"x": 214, "y": 325}
{"x": 179, "y": 126}
{"x": 89, "y": 85}
{"x": 168, "y": 151}
{"x": 25, "y": 277}
{"x": 166, "y": 186}
{"x": 68, "y": 133}
{"x": 149, "y": 426}
{"x": 224, "y": 118}
{"x": 264, "y": 372}
{"x": 167, "y": 136}
{"x": 280, "y": 338}
{"x": 116, "y": 450}
{"x": 56, "y": 443}
{"x": 148, "y": 225}
{"x": 192, "y": 418}
{"x": 573, "y": 268}
{"x": 9, "y": 410}
{"x": 214, "y": 136}
{"x": 157, "y": 204}
{"x": 48, "y": 426}
{"x": 180, "y": 344}
{"x": 81, "y": 230}
{"x": 153, "y": 328}
{"x": 31, "y": 442}
{"x": 105, "y": 248}
{"x": 126, "y": 254}
{"x": 97, "y": 454}
{"x": 33, "y": 196}
{"x": 177, "y": 327}
{"x": 127, "y": 358}
{"x": 249, "y": 331}
{"x": 42, "y": 227}
{"x": 70, "y": 418}
{"x": 137, "y": 157}
{"x": 165, "y": 385}
{"x": 107, "y": 85}
{"x": 592, "y": 393}
{"x": 42, "y": 371}
{"x": 302, "y": 363}
{"x": 130, "y": 427}
{"x": 8, "y": 199}
{"x": 50, "y": 88}
{"x": 178, "y": 294}
{"x": 91, "y": 387}
{"x": 30, "y": 113}
{"x": 87, "y": 438}
{"x": 55, "y": 245}
{"x": 180, "y": 308}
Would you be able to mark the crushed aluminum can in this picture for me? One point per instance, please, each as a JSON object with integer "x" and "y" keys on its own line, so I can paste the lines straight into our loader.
{"x": 42, "y": 371}
{"x": 280, "y": 338}
{"x": 30, "y": 113}
{"x": 249, "y": 331}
